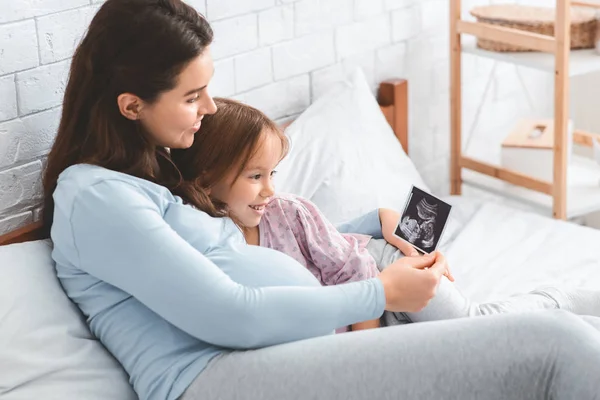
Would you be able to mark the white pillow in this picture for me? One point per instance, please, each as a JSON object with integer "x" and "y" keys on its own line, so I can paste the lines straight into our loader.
{"x": 344, "y": 156}
{"x": 46, "y": 349}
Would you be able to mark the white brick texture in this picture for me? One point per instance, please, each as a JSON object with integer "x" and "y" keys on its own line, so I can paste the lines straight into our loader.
{"x": 361, "y": 36}
{"x": 59, "y": 34}
{"x": 393, "y": 4}
{"x": 405, "y": 23}
{"x": 8, "y": 98}
{"x": 253, "y": 69}
{"x": 15, "y": 10}
{"x": 18, "y": 47}
{"x": 27, "y": 138}
{"x": 37, "y": 213}
{"x": 303, "y": 55}
{"x": 275, "y": 25}
{"x": 20, "y": 186}
{"x": 390, "y": 62}
{"x": 13, "y": 222}
{"x": 199, "y": 5}
{"x": 432, "y": 18}
{"x": 317, "y": 15}
{"x": 218, "y": 9}
{"x": 365, "y": 9}
{"x": 42, "y": 88}
{"x": 223, "y": 82}
{"x": 278, "y": 55}
{"x": 280, "y": 99}
{"x": 235, "y": 35}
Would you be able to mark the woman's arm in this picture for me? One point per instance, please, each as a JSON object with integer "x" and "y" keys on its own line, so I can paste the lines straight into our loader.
{"x": 121, "y": 238}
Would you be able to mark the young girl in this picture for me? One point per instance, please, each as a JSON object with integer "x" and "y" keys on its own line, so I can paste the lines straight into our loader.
{"x": 233, "y": 160}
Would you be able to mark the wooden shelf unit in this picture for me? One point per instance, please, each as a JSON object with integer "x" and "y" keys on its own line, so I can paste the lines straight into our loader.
{"x": 554, "y": 56}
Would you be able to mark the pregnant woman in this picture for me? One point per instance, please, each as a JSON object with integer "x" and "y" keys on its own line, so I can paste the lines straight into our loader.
{"x": 192, "y": 312}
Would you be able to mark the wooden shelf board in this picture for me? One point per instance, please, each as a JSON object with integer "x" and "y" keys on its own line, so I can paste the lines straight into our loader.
{"x": 583, "y": 193}
{"x": 581, "y": 62}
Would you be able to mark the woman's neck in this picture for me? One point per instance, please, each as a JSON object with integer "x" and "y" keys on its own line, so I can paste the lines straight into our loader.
{"x": 252, "y": 235}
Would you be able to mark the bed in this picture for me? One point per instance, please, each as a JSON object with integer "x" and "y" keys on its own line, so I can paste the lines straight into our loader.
{"x": 348, "y": 155}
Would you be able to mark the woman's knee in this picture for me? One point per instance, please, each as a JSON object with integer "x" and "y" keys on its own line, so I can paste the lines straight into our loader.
{"x": 563, "y": 328}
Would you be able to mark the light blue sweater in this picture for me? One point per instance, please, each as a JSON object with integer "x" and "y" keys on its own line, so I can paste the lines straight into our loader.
{"x": 166, "y": 287}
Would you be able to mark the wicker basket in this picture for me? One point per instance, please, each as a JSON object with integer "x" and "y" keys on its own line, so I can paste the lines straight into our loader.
{"x": 535, "y": 19}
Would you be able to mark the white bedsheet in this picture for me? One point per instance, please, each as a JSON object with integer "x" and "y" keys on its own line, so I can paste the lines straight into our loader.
{"x": 494, "y": 250}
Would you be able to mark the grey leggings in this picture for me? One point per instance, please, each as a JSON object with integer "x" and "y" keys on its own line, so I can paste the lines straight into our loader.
{"x": 449, "y": 302}
{"x": 537, "y": 355}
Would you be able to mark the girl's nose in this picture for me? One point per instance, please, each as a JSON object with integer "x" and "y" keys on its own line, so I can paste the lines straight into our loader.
{"x": 268, "y": 190}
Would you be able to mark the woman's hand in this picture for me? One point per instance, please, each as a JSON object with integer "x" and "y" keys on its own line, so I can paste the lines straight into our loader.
{"x": 410, "y": 282}
{"x": 389, "y": 221}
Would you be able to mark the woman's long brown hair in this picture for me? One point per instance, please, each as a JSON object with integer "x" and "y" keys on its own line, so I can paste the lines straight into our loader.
{"x": 224, "y": 144}
{"x": 131, "y": 46}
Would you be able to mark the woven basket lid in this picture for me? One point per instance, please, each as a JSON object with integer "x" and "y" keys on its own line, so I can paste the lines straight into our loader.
{"x": 529, "y": 15}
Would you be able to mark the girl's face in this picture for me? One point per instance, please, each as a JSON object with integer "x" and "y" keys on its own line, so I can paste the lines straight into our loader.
{"x": 248, "y": 193}
{"x": 174, "y": 118}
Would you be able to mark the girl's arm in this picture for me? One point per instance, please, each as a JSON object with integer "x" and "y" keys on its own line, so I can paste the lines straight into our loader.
{"x": 120, "y": 236}
{"x": 368, "y": 224}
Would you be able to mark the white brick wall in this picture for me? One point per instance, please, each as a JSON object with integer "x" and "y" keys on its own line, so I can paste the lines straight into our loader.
{"x": 235, "y": 35}
{"x": 59, "y": 34}
{"x": 18, "y": 46}
{"x": 15, "y": 10}
{"x": 364, "y": 9}
{"x": 41, "y": 88}
{"x": 276, "y": 25}
{"x": 312, "y": 16}
{"x": 8, "y": 98}
{"x": 303, "y": 55}
{"x": 278, "y": 55}
{"x": 360, "y": 36}
{"x": 218, "y": 9}
{"x": 253, "y": 69}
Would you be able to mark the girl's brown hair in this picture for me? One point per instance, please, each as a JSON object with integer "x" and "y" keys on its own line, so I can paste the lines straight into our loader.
{"x": 131, "y": 46}
{"x": 224, "y": 144}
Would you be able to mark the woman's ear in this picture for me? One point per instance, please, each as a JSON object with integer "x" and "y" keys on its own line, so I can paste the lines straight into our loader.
{"x": 130, "y": 106}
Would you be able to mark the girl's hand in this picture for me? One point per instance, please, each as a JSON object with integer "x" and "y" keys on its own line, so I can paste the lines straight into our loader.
{"x": 410, "y": 282}
{"x": 389, "y": 221}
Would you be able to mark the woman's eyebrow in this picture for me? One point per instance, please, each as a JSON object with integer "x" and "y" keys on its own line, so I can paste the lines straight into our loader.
{"x": 202, "y": 88}
{"x": 195, "y": 90}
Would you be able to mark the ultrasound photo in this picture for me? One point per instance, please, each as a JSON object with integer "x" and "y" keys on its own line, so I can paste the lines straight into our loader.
{"x": 423, "y": 221}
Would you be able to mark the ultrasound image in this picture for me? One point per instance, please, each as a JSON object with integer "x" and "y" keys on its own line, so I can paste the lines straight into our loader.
{"x": 423, "y": 220}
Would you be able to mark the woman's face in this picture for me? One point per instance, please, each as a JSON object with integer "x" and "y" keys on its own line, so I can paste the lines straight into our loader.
{"x": 174, "y": 118}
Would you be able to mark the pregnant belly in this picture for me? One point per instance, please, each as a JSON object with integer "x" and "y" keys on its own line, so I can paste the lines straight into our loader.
{"x": 259, "y": 267}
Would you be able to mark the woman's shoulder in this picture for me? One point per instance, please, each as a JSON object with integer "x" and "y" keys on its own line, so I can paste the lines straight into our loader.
{"x": 86, "y": 175}
{"x": 80, "y": 178}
